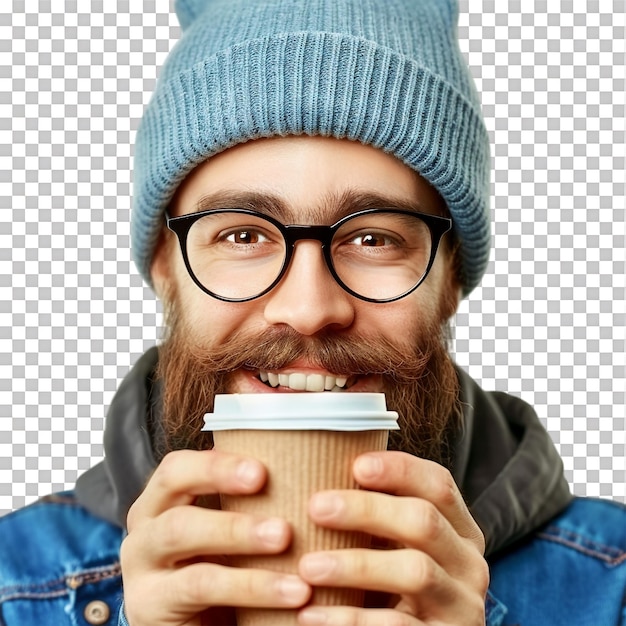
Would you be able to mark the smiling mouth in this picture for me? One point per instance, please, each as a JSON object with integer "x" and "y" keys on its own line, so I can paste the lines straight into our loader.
{"x": 300, "y": 381}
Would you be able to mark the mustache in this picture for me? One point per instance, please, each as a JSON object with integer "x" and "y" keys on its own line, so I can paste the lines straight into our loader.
{"x": 418, "y": 377}
{"x": 277, "y": 348}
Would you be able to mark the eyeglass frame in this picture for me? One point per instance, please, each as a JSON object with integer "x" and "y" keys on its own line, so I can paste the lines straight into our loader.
{"x": 180, "y": 225}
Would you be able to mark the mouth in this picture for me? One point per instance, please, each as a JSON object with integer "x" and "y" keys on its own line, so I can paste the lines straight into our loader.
{"x": 303, "y": 381}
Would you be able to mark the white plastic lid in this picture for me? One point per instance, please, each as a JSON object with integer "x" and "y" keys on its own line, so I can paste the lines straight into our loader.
{"x": 301, "y": 411}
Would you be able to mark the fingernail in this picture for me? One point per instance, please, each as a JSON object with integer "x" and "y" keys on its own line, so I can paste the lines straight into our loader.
{"x": 317, "y": 566}
{"x": 293, "y": 589}
{"x": 312, "y": 617}
{"x": 248, "y": 473}
{"x": 326, "y": 504}
{"x": 369, "y": 466}
{"x": 271, "y": 531}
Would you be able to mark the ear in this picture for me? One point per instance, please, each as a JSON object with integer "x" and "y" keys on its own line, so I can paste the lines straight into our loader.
{"x": 161, "y": 269}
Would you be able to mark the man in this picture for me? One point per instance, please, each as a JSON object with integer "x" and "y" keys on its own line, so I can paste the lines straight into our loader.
{"x": 357, "y": 118}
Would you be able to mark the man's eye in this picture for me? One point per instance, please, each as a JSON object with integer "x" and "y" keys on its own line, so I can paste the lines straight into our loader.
{"x": 372, "y": 240}
{"x": 245, "y": 237}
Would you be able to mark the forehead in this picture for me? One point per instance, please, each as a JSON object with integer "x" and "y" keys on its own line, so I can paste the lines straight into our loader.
{"x": 305, "y": 178}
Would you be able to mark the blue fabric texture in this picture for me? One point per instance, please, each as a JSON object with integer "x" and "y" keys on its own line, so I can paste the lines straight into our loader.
{"x": 571, "y": 571}
{"x": 387, "y": 74}
{"x": 55, "y": 559}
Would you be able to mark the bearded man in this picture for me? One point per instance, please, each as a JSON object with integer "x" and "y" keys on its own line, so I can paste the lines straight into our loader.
{"x": 311, "y": 203}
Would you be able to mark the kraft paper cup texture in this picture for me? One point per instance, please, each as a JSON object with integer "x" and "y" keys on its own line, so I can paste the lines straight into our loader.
{"x": 304, "y": 454}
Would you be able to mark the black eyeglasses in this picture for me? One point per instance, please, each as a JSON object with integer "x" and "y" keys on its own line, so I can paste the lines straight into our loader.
{"x": 377, "y": 255}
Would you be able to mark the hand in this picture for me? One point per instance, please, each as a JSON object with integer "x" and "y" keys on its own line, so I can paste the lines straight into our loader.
{"x": 173, "y": 556}
{"x": 436, "y": 573}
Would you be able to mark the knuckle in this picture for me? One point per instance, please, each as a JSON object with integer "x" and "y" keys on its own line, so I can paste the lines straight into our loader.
{"x": 361, "y": 565}
{"x": 256, "y": 586}
{"x": 169, "y": 528}
{"x": 421, "y": 572}
{"x": 429, "y": 518}
{"x": 197, "y": 583}
{"x": 483, "y": 576}
{"x": 478, "y": 539}
{"x": 445, "y": 490}
{"x": 367, "y": 508}
{"x": 223, "y": 585}
{"x": 168, "y": 471}
{"x": 235, "y": 530}
{"x": 126, "y": 551}
{"x": 404, "y": 465}
{"x": 244, "y": 588}
{"x": 133, "y": 553}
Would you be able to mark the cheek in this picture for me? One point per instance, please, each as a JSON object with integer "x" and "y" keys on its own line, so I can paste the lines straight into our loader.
{"x": 404, "y": 320}
{"x": 211, "y": 321}
{"x": 440, "y": 292}
{"x": 423, "y": 304}
{"x": 395, "y": 321}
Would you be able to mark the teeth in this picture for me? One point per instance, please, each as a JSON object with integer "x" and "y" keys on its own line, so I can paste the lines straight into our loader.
{"x": 315, "y": 382}
{"x": 299, "y": 381}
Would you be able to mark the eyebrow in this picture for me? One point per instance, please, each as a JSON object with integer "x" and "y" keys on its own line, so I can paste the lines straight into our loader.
{"x": 333, "y": 207}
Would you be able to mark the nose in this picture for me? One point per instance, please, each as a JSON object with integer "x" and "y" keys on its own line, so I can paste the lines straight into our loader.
{"x": 308, "y": 298}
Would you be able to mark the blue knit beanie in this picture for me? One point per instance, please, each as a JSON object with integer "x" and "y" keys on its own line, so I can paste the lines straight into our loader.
{"x": 388, "y": 73}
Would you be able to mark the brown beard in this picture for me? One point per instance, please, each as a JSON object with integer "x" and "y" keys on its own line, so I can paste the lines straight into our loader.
{"x": 419, "y": 381}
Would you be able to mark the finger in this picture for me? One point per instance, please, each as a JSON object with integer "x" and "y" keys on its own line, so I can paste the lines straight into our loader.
{"x": 399, "y": 572}
{"x": 340, "y": 615}
{"x": 191, "y": 590}
{"x": 406, "y": 475}
{"x": 185, "y": 474}
{"x": 425, "y": 587}
{"x": 198, "y": 586}
{"x": 185, "y": 532}
{"x": 413, "y": 522}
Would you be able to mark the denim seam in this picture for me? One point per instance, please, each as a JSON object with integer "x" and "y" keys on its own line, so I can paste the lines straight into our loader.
{"x": 60, "y": 586}
{"x": 608, "y": 554}
{"x": 93, "y": 576}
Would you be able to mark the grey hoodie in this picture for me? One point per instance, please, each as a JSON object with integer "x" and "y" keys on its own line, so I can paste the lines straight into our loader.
{"x": 508, "y": 470}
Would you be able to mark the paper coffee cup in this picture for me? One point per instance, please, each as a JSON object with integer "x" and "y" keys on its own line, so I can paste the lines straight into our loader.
{"x": 308, "y": 442}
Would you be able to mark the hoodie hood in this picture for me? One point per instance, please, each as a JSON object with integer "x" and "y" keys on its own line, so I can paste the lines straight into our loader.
{"x": 503, "y": 459}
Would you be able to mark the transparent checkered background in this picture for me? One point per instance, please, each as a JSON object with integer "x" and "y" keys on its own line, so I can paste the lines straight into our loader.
{"x": 548, "y": 323}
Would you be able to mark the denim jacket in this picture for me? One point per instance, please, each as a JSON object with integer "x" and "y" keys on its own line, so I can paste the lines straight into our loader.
{"x": 554, "y": 560}
{"x": 60, "y": 566}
